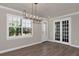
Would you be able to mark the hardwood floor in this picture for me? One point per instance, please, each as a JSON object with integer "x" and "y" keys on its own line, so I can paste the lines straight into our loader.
{"x": 45, "y": 49}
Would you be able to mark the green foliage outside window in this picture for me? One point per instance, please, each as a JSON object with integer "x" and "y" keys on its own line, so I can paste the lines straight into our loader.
{"x": 12, "y": 31}
{"x": 18, "y": 31}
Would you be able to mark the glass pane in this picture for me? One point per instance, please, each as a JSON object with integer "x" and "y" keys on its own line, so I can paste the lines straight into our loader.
{"x": 27, "y": 31}
{"x": 19, "y": 22}
{"x": 12, "y": 31}
{"x": 23, "y": 22}
{"x": 14, "y": 22}
{"x": 18, "y": 31}
{"x": 9, "y": 18}
{"x": 28, "y": 23}
{"x": 65, "y": 31}
{"x": 57, "y": 31}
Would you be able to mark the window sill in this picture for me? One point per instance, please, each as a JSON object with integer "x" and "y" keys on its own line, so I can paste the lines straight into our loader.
{"x": 19, "y": 37}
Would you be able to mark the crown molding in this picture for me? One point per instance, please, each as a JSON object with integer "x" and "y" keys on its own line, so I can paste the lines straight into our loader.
{"x": 11, "y": 9}
{"x": 63, "y": 16}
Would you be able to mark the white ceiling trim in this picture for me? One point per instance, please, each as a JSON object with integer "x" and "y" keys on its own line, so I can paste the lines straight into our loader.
{"x": 67, "y": 15}
{"x": 11, "y": 9}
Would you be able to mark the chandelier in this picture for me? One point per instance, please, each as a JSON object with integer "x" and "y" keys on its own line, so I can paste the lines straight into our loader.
{"x": 33, "y": 14}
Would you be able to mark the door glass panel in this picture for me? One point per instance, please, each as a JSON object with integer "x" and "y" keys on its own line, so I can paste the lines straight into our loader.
{"x": 57, "y": 31}
{"x": 65, "y": 31}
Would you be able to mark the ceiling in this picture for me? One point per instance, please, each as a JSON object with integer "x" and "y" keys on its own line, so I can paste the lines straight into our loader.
{"x": 46, "y": 9}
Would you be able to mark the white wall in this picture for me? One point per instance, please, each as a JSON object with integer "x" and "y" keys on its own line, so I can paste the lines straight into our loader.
{"x": 50, "y": 30}
{"x": 8, "y": 44}
{"x": 74, "y": 29}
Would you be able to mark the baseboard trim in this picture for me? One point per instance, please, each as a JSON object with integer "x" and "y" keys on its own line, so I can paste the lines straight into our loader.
{"x": 12, "y": 49}
{"x": 65, "y": 44}
{"x": 74, "y": 46}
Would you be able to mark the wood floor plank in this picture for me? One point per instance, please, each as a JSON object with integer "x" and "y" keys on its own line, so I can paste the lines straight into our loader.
{"x": 45, "y": 49}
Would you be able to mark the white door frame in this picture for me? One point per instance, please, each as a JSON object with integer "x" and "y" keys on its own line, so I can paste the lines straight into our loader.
{"x": 43, "y": 36}
{"x": 60, "y": 20}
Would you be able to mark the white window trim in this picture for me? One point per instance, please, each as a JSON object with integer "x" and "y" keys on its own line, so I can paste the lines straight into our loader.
{"x": 15, "y": 37}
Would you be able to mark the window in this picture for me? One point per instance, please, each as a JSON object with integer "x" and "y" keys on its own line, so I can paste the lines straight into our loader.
{"x": 27, "y": 27}
{"x": 18, "y": 26}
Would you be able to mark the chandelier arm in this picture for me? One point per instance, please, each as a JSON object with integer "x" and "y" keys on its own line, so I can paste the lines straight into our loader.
{"x": 32, "y": 8}
{"x": 35, "y": 18}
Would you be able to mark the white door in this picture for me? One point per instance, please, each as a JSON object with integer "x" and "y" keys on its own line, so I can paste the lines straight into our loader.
{"x": 44, "y": 30}
{"x": 62, "y": 30}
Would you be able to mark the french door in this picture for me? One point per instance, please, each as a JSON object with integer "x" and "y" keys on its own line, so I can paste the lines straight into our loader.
{"x": 62, "y": 30}
{"x": 57, "y": 30}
